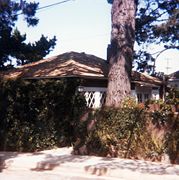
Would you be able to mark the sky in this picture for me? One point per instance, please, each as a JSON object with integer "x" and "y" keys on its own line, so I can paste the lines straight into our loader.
{"x": 84, "y": 26}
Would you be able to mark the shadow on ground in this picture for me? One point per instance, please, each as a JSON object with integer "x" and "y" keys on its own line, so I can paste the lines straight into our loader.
{"x": 103, "y": 166}
{"x": 51, "y": 161}
{"x": 88, "y": 164}
{"x": 132, "y": 165}
{"x": 5, "y": 156}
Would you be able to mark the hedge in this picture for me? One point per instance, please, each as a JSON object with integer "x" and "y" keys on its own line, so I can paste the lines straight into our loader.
{"x": 132, "y": 131}
{"x": 39, "y": 114}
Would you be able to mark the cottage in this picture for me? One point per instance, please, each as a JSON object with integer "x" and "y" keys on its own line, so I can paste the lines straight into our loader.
{"x": 92, "y": 70}
{"x": 173, "y": 80}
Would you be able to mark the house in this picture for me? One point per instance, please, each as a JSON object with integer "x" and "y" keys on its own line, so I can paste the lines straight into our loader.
{"x": 173, "y": 80}
{"x": 92, "y": 70}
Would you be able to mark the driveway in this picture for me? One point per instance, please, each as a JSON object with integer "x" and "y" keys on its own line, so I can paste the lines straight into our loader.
{"x": 61, "y": 164}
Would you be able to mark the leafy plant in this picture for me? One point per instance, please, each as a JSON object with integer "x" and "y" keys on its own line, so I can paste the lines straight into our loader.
{"x": 39, "y": 114}
{"x": 132, "y": 131}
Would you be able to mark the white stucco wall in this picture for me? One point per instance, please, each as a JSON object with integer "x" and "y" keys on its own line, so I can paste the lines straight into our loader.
{"x": 95, "y": 95}
{"x": 155, "y": 94}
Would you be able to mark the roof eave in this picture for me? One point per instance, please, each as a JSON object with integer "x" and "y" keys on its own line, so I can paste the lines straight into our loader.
{"x": 69, "y": 76}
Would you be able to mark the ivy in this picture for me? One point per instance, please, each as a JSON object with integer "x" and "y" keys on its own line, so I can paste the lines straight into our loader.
{"x": 38, "y": 114}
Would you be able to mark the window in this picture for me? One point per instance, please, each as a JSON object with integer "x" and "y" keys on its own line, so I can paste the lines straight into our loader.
{"x": 132, "y": 86}
{"x": 102, "y": 98}
{"x": 95, "y": 96}
{"x": 142, "y": 97}
{"x": 90, "y": 98}
{"x": 146, "y": 97}
{"x": 139, "y": 97}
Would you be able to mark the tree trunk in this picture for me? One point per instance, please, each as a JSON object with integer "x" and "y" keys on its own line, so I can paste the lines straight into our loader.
{"x": 122, "y": 42}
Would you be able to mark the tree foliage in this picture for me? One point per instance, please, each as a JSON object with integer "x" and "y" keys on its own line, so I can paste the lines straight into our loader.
{"x": 13, "y": 44}
{"x": 157, "y": 22}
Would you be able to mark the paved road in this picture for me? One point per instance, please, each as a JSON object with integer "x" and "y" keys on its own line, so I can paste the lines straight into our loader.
{"x": 61, "y": 164}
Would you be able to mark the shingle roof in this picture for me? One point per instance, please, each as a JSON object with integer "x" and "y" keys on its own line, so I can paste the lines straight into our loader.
{"x": 70, "y": 64}
{"x": 142, "y": 77}
{"x": 174, "y": 75}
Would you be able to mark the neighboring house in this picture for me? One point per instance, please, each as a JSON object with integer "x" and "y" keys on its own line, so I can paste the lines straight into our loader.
{"x": 173, "y": 80}
{"x": 93, "y": 70}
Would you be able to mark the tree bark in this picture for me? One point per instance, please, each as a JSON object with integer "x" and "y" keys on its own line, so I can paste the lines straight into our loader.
{"x": 122, "y": 42}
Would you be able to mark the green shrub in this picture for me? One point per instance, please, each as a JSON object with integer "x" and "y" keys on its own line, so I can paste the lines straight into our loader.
{"x": 131, "y": 132}
{"x": 172, "y": 140}
{"x": 38, "y": 114}
{"x": 162, "y": 115}
{"x": 172, "y": 96}
{"x": 117, "y": 132}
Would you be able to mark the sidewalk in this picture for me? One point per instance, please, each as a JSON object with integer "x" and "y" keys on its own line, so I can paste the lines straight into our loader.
{"x": 61, "y": 164}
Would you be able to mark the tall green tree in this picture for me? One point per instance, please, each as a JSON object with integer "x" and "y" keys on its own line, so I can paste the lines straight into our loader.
{"x": 145, "y": 22}
{"x": 13, "y": 45}
{"x": 157, "y": 22}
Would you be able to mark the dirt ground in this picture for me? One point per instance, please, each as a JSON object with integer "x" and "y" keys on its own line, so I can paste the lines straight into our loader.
{"x": 61, "y": 164}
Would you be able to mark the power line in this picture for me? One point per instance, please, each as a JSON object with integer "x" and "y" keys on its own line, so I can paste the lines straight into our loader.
{"x": 50, "y": 5}
{"x": 54, "y": 4}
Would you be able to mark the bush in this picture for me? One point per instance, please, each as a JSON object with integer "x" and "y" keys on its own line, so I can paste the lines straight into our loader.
{"x": 117, "y": 132}
{"x": 172, "y": 140}
{"x": 130, "y": 132}
{"x": 38, "y": 114}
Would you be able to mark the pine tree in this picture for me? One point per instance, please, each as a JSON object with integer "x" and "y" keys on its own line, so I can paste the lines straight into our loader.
{"x": 152, "y": 22}
{"x": 157, "y": 22}
{"x": 12, "y": 43}
{"x": 122, "y": 42}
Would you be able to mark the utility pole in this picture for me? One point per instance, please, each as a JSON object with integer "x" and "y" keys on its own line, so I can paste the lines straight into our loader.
{"x": 167, "y": 67}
